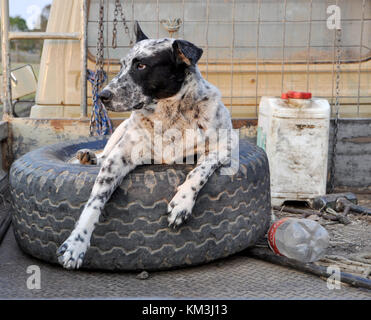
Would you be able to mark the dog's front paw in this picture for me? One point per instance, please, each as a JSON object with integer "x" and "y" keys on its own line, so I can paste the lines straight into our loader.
{"x": 180, "y": 208}
{"x": 86, "y": 156}
{"x": 71, "y": 253}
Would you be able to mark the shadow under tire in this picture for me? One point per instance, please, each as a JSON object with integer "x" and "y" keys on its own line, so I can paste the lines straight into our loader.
{"x": 230, "y": 214}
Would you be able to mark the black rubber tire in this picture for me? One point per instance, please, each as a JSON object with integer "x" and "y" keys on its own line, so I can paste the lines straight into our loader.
{"x": 231, "y": 212}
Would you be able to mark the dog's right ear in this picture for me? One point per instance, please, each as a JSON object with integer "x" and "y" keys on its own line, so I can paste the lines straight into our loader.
{"x": 139, "y": 33}
{"x": 186, "y": 52}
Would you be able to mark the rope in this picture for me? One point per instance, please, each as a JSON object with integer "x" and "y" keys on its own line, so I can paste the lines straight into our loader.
{"x": 99, "y": 115}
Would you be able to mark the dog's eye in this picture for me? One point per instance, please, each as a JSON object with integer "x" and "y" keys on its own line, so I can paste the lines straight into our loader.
{"x": 141, "y": 66}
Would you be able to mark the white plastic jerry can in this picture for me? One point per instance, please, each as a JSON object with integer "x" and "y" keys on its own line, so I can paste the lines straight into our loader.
{"x": 295, "y": 135}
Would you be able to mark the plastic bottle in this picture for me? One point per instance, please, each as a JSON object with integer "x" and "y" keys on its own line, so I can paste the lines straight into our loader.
{"x": 300, "y": 239}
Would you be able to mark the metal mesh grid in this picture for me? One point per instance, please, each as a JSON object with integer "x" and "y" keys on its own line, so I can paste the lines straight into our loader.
{"x": 260, "y": 47}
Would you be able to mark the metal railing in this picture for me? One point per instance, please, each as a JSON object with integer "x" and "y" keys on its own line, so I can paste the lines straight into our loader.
{"x": 256, "y": 43}
{"x": 218, "y": 15}
{"x": 5, "y": 53}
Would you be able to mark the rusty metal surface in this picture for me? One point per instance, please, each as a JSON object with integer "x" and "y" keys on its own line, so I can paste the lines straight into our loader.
{"x": 354, "y": 149}
{"x": 353, "y": 166}
{"x": 236, "y": 277}
{"x": 29, "y": 134}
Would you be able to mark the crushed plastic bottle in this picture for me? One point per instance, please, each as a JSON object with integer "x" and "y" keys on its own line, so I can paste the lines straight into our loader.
{"x": 300, "y": 239}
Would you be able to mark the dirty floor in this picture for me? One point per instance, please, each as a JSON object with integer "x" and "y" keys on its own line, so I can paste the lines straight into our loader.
{"x": 236, "y": 277}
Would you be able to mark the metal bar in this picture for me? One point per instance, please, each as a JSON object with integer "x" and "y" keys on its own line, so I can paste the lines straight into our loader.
{"x": 5, "y": 55}
{"x": 132, "y": 16}
{"x": 108, "y": 65}
{"x": 360, "y": 54}
{"x": 207, "y": 37}
{"x": 232, "y": 54}
{"x": 283, "y": 44}
{"x": 309, "y": 40}
{"x": 248, "y": 22}
{"x": 158, "y": 18}
{"x": 183, "y": 4}
{"x": 267, "y": 255}
{"x": 333, "y": 77}
{"x": 256, "y": 59}
{"x": 318, "y": 96}
{"x": 333, "y": 72}
{"x": 84, "y": 60}
{"x": 261, "y": 46}
{"x": 45, "y": 35}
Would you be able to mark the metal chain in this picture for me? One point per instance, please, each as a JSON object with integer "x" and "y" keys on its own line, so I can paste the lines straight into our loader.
{"x": 99, "y": 63}
{"x": 100, "y": 42}
{"x": 118, "y": 9}
{"x": 114, "y": 30}
{"x": 337, "y": 107}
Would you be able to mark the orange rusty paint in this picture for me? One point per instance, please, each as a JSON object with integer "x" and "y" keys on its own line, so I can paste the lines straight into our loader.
{"x": 61, "y": 125}
{"x": 303, "y": 126}
{"x": 240, "y": 123}
{"x": 58, "y": 125}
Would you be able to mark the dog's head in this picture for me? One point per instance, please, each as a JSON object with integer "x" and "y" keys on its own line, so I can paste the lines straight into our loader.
{"x": 153, "y": 69}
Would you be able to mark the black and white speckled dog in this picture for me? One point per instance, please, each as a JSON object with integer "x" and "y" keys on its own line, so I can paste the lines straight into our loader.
{"x": 160, "y": 81}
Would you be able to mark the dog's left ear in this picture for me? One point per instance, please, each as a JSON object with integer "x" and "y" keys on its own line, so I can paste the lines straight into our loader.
{"x": 186, "y": 52}
{"x": 139, "y": 34}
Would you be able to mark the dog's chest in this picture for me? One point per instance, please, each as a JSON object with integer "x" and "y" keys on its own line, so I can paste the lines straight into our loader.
{"x": 178, "y": 127}
{"x": 175, "y": 116}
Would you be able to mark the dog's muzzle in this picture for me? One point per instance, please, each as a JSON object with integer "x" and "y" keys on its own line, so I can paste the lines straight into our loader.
{"x": 105, "y": 96}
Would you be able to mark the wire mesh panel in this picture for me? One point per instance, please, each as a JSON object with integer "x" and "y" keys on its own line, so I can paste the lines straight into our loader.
{"x": 259, "y": 47}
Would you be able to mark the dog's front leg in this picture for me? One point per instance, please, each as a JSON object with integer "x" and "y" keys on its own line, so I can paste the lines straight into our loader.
{"x": 113, "y": 141}
{"x": 86, "y": 156}
{"x": 221, "y": 153}
{"x": 114, "y": 168}
{"x": 180, "y": 207}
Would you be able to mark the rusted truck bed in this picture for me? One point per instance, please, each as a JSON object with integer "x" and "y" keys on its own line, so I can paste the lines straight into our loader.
{"x": 236, "y": 277}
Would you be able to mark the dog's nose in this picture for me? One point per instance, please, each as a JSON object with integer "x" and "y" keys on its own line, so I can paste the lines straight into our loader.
{"x": 105, "y": 96}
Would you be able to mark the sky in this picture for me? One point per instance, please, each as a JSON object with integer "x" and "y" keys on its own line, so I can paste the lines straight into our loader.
{"x": 28, "y": 10}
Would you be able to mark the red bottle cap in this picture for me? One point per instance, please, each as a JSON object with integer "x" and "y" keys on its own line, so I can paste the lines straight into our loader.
{"x": 296, "y": 95}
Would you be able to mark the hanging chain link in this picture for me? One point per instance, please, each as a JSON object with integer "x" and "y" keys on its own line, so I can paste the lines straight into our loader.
{"x": 337, "y": 107}
{"x": 118, "y": 9}
{"x": 99, "y": 64}
{"x": 99, "y": 116}
{"x": 100, "y": 42}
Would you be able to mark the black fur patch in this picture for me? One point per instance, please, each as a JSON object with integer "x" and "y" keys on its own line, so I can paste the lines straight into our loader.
{"x": 163, "y": 76}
